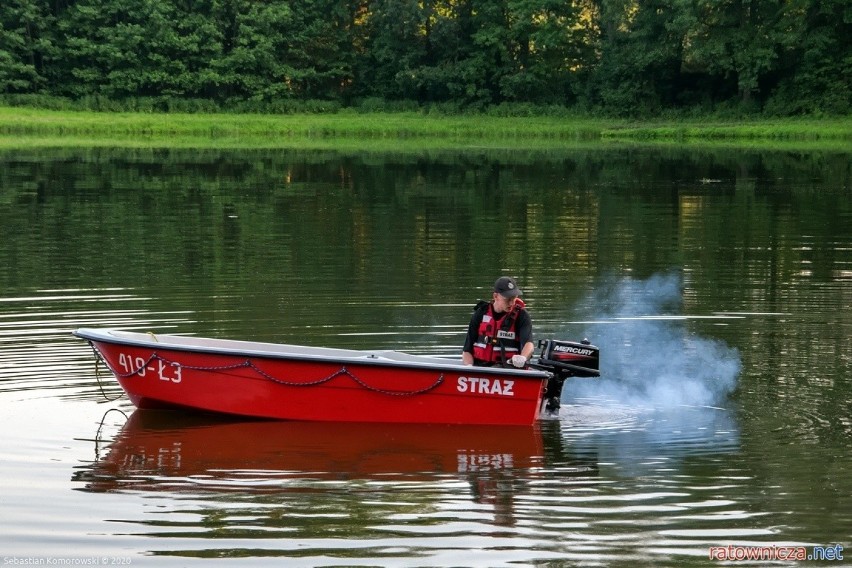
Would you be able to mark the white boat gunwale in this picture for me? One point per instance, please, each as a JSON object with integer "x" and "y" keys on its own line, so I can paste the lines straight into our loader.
{"x": 287, "y": 352}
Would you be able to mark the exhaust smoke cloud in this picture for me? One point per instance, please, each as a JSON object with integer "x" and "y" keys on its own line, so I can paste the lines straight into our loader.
{"x": 648, "y": 356}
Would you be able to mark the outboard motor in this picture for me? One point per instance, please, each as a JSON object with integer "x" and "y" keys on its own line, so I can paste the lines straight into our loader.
{"x": 565, "y": 359}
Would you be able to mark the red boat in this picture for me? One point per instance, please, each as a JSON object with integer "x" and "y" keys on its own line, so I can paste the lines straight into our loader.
{"x": 292, "y": 382}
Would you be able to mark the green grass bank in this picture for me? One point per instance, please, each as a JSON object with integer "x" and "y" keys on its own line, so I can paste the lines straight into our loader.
{"x": 37, "y": 127}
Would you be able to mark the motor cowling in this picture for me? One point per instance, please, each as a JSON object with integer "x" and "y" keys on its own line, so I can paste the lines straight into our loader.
{"x": 569, "y": 358}
{"x": 564, "y": 359}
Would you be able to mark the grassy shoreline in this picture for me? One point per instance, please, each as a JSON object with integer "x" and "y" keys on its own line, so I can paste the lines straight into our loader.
{"x": 26, "y": 127}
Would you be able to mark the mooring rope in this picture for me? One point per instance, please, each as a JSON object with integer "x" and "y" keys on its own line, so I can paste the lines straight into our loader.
{"x": 98, "y": 359}
{"x": 140, "y": 370}
{"x": 101, "y": 426}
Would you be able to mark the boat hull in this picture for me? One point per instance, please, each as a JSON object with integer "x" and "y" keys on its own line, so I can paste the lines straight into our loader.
{"x": 281, "y": 382}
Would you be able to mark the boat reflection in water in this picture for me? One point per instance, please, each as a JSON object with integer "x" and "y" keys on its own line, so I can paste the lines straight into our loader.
{"x": 184, "y": 454}
{"x": 154, "y": 444}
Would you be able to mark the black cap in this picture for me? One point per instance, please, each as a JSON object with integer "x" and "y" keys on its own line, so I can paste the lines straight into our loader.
{"x": 507, "y": 287}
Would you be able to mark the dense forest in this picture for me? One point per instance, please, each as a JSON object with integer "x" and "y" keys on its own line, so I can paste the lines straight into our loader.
{"x": 621, "y": 57}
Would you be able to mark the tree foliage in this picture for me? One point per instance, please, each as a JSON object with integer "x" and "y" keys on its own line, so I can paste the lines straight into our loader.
{"x": 613, "y": 56}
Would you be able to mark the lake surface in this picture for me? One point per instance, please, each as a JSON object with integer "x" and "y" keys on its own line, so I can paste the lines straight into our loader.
{"x": 718, "y": 284}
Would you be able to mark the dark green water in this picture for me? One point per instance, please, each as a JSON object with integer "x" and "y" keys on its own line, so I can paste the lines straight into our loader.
{"x": 718, "y": 284}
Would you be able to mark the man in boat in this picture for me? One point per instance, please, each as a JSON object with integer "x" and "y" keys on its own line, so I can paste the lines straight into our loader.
{"x": 500, "y": 331}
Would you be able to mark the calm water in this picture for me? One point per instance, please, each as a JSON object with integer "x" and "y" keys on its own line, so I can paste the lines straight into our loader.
{"x": 718, "y": 284}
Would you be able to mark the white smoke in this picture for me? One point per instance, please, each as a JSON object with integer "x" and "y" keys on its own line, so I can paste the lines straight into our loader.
{"x": 648, "y": 356}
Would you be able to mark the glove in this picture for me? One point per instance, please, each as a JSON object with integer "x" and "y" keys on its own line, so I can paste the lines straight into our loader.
{"x": 518, "y": 361}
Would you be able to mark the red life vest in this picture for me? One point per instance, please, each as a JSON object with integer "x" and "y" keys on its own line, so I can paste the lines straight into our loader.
{"x": 498, "y": 337}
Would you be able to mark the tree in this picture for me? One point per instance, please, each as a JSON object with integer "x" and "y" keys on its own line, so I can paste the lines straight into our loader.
{"x": 740, "y": 39}
{"x": 137, "y": 48}
{"x": 620, "y": 56}
{"x": 640, "y": 47}
{"x": 255, "y": 36}
{"x": 550, "y": 48}
{"x": 816, "y": 74}
{"x": 25, "y": 41}
{"x": 467, "y": 51}
{"x": 395, "y": 46}
{"x": 319, "y": 49}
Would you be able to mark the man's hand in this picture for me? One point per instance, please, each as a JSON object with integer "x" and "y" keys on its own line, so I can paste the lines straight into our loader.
{"x": 519, "y": 361}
